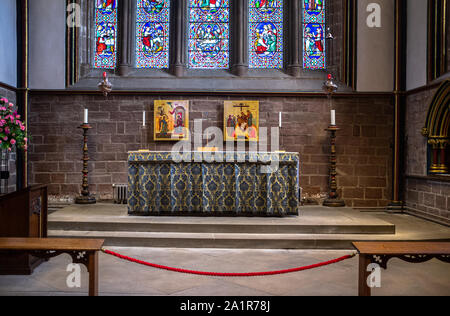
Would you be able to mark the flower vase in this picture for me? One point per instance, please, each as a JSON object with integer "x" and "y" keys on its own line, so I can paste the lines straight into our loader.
{"x": 4, "y": 171}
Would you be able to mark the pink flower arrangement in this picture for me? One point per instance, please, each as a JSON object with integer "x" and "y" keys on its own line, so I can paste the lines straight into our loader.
{"x": 13, "y": 131}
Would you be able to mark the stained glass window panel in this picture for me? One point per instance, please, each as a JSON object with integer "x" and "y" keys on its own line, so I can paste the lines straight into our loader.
{"x": 105, "y": 34}
{"x": 152, "y": 34}
{"x": 209, "y": 34}
{"x": 313, "y": 34}
{"x": 265, "y": 33}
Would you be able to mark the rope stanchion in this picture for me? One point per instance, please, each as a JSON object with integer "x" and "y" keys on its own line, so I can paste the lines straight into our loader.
{"x": 221, "y": 274}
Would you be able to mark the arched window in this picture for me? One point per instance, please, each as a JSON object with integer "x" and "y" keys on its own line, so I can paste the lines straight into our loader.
{"x": 313, "y": 34}
{"x": 152, "y": 34}
{"x": 265, "y": 33}
{"x": 208, "y": 46}
{"x": 105, "y": 34}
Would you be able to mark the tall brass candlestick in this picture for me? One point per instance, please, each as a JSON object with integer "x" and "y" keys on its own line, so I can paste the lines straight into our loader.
{"x": 85, "y": 197}
{"x": 333, "y": 197}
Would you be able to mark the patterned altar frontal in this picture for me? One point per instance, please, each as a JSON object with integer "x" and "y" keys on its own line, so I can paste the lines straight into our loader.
{"x": 213, "y": 184}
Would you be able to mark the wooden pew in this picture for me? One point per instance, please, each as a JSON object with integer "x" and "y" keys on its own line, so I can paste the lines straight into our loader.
{"x": 83, "y": 251}
{"x": 381, "y": 252}
{"x": 23, "y": 214}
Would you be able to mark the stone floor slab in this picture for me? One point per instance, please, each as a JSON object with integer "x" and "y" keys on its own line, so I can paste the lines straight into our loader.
{"x": 118, "y": 277}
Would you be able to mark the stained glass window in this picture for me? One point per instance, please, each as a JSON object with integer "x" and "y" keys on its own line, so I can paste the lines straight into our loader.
{"x": 265, "y": 33}
{"x": 209, "y": 34}
{"x": 152, "y": 34}
{"x": 313, "y": 34}
{"x": 105, "y": 33}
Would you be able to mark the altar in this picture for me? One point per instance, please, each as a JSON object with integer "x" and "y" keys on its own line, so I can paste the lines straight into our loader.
{"x": 213, "y": 184}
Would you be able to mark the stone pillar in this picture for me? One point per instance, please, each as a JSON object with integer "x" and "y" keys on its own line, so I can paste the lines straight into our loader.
{"x": 126, "y": 18}
{"x": 180, "y": 31}
{"x": 399, "y": 22}
{"x": 295, "y": 63}
{"x": 22, "y": 94}
{"x": 442, "y": 157}
{"x": 438, "y": 155}
{"x": 434, "y": 166}
{"x": 239, "y": 37}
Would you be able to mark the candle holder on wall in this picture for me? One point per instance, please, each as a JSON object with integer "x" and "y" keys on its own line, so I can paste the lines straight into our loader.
{"x": 333, "y": 197}
{"x": 105, "y": 86}
{"x": 85, "y": 197}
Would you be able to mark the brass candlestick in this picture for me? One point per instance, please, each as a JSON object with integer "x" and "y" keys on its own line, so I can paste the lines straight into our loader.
{"x": 85, "y": 197}
{"x": 333, "y": 197}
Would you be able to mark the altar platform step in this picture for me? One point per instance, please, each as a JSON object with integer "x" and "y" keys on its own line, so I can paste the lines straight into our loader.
{"x": 229, "y": 240}
{"x": 208, "y": 226}
{"x": 316, "y": 227}
{"x": 312, "y": 220}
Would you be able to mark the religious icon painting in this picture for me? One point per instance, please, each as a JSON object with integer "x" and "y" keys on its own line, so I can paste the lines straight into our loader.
{"x": 241, "y": 121}
{"x": 171, "y": 120}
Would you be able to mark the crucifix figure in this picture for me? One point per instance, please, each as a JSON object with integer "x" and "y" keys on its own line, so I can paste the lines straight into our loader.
{"x": 241, "y": 105}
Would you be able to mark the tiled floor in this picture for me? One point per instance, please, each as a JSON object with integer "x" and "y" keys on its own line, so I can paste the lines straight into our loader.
{"x": 118, "y": 277}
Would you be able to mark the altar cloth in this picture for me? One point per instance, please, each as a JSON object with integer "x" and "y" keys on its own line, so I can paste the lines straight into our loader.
{"x": 213, "y": 183}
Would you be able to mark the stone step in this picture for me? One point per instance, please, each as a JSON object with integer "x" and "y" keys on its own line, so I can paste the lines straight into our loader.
{"x": 230, "y": 240}
{"x": 245, "y": 226}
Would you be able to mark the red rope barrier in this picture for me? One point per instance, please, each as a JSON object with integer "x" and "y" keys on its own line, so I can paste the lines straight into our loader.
{"x": 220, "y": 274}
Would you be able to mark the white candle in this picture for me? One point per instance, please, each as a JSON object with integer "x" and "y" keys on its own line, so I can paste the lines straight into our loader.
{"x": 333, "y": 117}
{"x": 85, "y": 116}
{"x": 279, "y": 120}
{"x": 143, "y": 119}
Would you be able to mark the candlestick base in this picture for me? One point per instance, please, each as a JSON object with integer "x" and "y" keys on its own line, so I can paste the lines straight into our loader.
{"x": 395, "y": 207}
{"x": 333, "y": 203}
{"x": 89, "y": 199}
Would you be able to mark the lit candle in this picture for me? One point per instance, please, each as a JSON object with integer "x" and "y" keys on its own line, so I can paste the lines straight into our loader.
{"x": 85, "y": 116}
{"x": 279, "y": 120}
{"x": 143, "y": 119}
{"x": 333, "y": 117}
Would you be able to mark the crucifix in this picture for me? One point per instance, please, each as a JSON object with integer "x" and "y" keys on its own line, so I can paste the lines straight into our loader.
{"x": 241, "y": 106}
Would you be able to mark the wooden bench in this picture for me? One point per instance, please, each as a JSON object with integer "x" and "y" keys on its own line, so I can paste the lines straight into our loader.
{"x": 381, "y": 252}
{"x": 23, "y": 214}
{"x": 83, "y": 251}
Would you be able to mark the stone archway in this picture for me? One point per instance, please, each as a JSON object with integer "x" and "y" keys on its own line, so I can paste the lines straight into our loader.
{"x": 437, "y": 130}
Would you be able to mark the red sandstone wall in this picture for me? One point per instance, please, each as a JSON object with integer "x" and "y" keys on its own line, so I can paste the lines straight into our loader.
{"x": 424, "y": 196}
{"x": 364, "y": 153}
{"x": 416, "y": 144}
{"x": 428, "y": 198}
